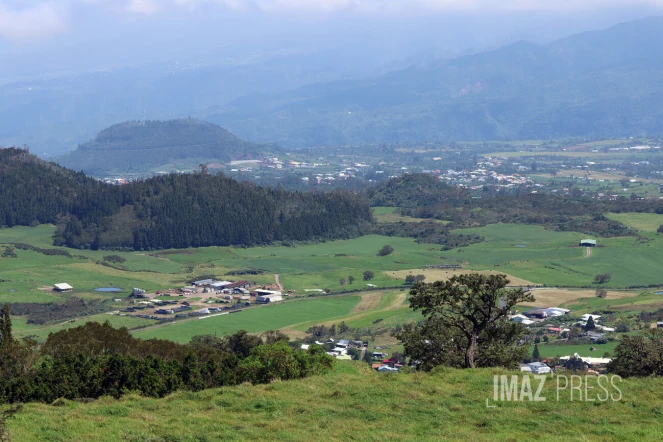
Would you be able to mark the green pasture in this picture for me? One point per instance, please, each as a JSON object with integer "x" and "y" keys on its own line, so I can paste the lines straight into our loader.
{"x": 554, "y": 258}
{"x": 356, "y": 403}
{"x": 40, "y": 332}
{"x": 256, "y": 319}
{"x": 645, "y": 222}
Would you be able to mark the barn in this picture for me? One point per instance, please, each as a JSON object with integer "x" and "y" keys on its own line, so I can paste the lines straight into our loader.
{"x": 587, "y": 243}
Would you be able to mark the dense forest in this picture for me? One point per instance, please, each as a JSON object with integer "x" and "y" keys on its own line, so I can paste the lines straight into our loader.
{"x": 424, "y": 196}
{"x": 138, "y": 146}
{"x": 172, "y": 211}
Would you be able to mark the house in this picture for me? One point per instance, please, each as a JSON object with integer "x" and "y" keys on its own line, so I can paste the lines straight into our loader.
{"x": 605, "y": 329}
{"x": 239, "y": 284}
{"x": 377, "y": 355}
{"x": 659, "y": 325}
{"x": 220, "y": 285}
{"x": 587, "y": 360}
{"x": 305, "y": 347}
{"x": 555, "y": 330}
{"x": 539, "y": 368}
{"x": 587, "y": 243}
{"x": 594, "y": 336}
{"x": 521, "y": 320}
{"x": 267, "y": 296}
{"x": 63, "y": 287}
{"x": 343, "y": 342}
{"x": 538, "y": 313}
{"x": 266, "y": 299}
{"x": 554, "y": 311}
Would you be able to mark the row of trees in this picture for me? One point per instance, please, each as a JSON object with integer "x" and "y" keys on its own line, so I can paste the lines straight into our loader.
{"x": 95, "y": 360}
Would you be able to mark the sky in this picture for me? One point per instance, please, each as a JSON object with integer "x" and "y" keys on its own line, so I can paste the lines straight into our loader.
{"x": 50, "y": 37}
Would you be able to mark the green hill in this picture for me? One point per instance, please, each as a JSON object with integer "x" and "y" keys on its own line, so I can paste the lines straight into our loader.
{"x": 170, "y": 211}
{"x": 139, "y": 147}
{"x": 604, "y": 83}
{"x": 354, "y": 403}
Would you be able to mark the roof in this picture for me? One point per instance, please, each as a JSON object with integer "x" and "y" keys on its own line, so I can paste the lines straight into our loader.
{"x": 587, "y": 360}
{"x": 588, "y": 241}
{"x": 63, "y": 286}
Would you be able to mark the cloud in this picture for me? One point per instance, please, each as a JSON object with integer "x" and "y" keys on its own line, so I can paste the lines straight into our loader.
{"x": 35, "y": 22}
{"x": 146, "y": 7}
{"x": 26, "y": 20}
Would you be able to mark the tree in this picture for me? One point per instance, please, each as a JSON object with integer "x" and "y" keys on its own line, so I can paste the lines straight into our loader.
{"x": 368, "y": 275}
{"x": 419, "y": 278}
{"x": 341, "y": 281}
{"x": 602, "y": 278}
{"x": 590, "y": 324}
{"x": 601, "y": 293}
{"x": 660, "y": 229}
{"x": 638, "y": 356}
{"x": 351, "y": 279}
{"x": 409, "y": 279}
{"x": 5, "y": 326}
{"x": 386, "y": 250}
{"x": 536, "y": 356}
{"x": 465, "y": 312}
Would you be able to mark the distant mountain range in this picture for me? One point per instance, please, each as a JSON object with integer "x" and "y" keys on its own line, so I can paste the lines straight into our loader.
{"x": 607, "y": 83}
{"x": 143, "y": 146}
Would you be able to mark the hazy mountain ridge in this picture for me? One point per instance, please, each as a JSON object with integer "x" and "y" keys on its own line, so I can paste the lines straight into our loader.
{"x": 602, "y": 83}
{"x": 138, "y": 146}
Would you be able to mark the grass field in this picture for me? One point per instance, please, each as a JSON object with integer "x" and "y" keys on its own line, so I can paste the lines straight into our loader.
{"x": 40, "y": 333}
{"x": 355, "y": 403}
{"x": 553, "y": 258}
{"x": 645, "y": 222}
{"x": 259, "y": 319}
{"x": 528, "y": 254}
{"x": 389, "y": 215}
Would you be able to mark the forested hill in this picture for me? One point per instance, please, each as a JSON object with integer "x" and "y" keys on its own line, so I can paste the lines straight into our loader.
{"x": 171, "y": 211}
{"x": 606, "y": 83}
{"x": 137, "y": 146}
{"x": 415, "y": 190}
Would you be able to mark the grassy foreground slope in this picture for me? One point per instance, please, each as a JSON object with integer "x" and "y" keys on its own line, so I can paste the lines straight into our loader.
{"x": 352, "y": 403}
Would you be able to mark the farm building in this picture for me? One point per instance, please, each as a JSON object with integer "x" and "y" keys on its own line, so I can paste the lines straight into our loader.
{"x": 218, "y": 285}
{"x": 659, "y": 325}
{"x": 267, "y": 296}
{"x": 587, "y": 243}
{"x": 539, "y": 313}
{"x": 63, "y": 287}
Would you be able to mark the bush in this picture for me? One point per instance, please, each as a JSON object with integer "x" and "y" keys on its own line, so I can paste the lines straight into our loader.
{"x": 386, "y": 250}
{"x": 114, "y": 258}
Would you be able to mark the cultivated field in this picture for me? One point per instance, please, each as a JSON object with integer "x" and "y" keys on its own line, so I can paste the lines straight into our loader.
{"x": 433, "y": 275}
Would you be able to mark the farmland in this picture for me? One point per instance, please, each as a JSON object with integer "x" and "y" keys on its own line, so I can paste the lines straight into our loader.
{"x": 529, "y": 255}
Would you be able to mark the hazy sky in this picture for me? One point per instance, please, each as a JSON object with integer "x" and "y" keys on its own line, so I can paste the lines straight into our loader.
{"x": 51, "y": 36}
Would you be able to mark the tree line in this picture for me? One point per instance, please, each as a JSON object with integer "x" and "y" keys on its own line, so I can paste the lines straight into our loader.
{"x": 95, "y": 360}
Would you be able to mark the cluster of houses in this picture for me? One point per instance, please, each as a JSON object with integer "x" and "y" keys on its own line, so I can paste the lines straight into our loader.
{"x": 240, "y": 290}
{"x": 477, "y": 178}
